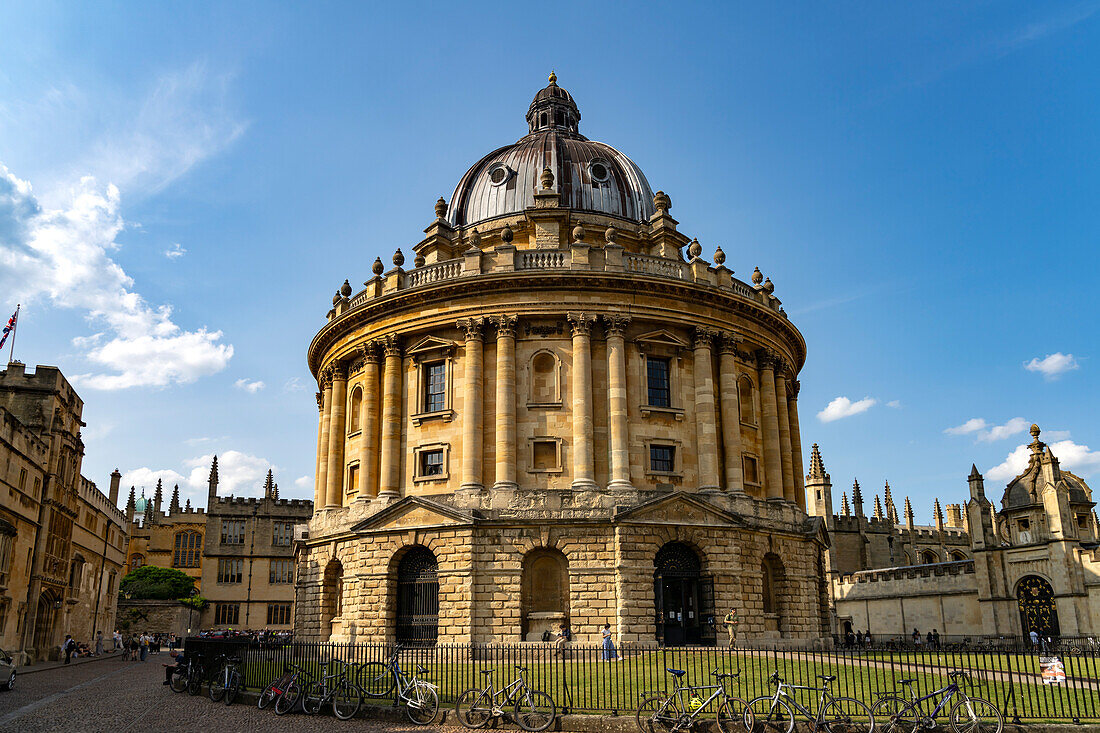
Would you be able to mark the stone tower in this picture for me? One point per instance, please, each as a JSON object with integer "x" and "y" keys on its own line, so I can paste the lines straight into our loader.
{"x": 820, "y": 488}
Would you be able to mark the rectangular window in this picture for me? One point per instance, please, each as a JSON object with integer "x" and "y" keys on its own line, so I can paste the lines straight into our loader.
{"x": 278, "y": 614}
{"x": 545, "y": 455}
{"x": 661, "y": 458}
{"x": 751, "y": 474}
{"x": 282, "y": 571}
{"x": 435, "y": 386}
{"x": 37, "y": 486}
{"x": 227, "y": 614}
{"x": 353, "y": 479}
{"x": 231, "y": 570}
{"x": 659, "y": 382}
{"x": 22, "y": 479}
{"x": 282, "y": 534}
{"x": 232, "y": 531}
{"x": 431, "y": 463}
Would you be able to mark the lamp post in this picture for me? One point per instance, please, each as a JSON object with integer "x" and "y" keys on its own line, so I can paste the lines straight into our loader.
{"x": 191, "y": 609}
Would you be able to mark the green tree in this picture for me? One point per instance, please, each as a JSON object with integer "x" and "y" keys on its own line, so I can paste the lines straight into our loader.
{"x": 151, "y": 582}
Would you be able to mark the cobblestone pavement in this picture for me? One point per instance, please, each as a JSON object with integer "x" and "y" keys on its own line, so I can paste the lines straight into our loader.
{"x": 118, "y": 696}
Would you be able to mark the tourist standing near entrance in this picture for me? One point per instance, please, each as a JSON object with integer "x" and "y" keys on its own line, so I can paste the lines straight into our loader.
{"x": 1034, "y": 636}
{"x": 609, "y": 652}
{"x": 731, "y": 626}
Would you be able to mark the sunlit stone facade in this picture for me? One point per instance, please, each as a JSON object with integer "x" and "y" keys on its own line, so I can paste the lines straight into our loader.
{"x": 560, "y": 413}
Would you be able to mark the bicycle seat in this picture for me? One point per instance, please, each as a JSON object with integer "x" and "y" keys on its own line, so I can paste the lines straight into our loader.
{"x": 521, "y": 669}
{"x": 421, "y": 669}
{"x": 486, "y": 671}
{"x": 827, "y": 677}
{"x": 677, "y": 672}
{"x": 908, "y": 682}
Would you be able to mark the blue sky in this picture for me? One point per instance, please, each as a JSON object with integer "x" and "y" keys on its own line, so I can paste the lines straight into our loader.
{"x": 186, "y": 185}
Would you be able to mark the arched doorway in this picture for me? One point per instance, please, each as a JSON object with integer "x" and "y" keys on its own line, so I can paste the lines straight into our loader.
{"x": 418, "y": 597}
{"x": 545, "y": 592}
{"x": 44, "y": 619}
{"x": 683, "y": 597}
{"x": 1038, "y": 613}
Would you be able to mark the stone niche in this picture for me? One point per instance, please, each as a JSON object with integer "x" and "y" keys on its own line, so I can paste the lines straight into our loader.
{"x": 545, "y": 593}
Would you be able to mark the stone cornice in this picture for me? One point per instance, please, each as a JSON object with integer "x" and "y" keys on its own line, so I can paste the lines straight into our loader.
{"x": 557, "y": 283}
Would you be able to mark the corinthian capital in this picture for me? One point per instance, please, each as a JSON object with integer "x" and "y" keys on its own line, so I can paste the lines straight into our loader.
{"x": 581, "y": 323}
{"x": 728, "y": 341}
{"x": 320, "y": 400}
{"x": 371, "y": 351}
{"x": 505, "y": 325}
{"x": 472, "y": 328}
{"x": 767, "y": 359}
{"x": 615, "y": 324}
{"x": 391, "y": 344}
{"x": 794, "y": 385}
{"x": 703, "y": 337}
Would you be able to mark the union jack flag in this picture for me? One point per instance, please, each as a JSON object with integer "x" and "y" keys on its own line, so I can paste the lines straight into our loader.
{"x": 9, "y": 328}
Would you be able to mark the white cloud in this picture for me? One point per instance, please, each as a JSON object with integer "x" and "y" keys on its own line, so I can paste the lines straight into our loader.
{"x": 303, "y": 482}
{"x": 972, "y": 425}
{"x": 843, "y": 407}
{"x": 240, "y": 474}
{"x": 987, "y": 433}
{"x": 63, "y": 254}
{"x": 896, "y": 404}
{"x": 294, "y": 384}
{"x": 1071, "y": 457}
{"x": 1053, "y": 365}
{"x": 252, "y": 387}
{"x": 175, "y": 251}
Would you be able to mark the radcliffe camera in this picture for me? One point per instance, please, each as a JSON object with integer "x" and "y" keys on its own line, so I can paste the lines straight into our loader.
{"x": 470, "y": 369}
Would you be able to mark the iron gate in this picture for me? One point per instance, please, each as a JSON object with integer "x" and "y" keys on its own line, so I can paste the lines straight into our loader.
{"x": 418, "y": 598}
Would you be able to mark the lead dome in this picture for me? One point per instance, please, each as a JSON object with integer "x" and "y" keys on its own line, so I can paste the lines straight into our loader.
{"x": 589, "y": 175}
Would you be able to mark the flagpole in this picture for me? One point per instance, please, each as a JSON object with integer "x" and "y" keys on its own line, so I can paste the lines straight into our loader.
{"x": 15, "y": 328}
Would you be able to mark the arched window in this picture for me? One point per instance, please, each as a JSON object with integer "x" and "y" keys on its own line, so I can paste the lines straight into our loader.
{"x": 958, "y": 555}
{"x": 76, "y": 573}
{"x": 744, "y": 396}
{"x": 545, "y": 371}
{"x": 188, "y": 550}
{"x": 545, "y": 592}
{"x": 332, "y": 597}
{"x": 136, "y": 561}
{"x": 927, "y": 557}
{"x": 418, "y": 597}
{"x": 1038, "y": 612}
{"x": 355, "y": 411}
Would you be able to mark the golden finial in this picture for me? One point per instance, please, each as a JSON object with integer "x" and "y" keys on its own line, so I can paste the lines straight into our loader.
{"x": 553, "y": 77}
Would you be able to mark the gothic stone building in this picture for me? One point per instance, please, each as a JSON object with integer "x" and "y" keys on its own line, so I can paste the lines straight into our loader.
{"x": 556, "y": 417}
{"x": 1035, "y": 564}
{"x": 62, "y": 541}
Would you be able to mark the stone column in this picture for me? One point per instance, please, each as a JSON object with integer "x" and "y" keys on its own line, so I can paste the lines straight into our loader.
{"x": 472, "y": 429}
{"x": 368, "y": 439}
{"x": 389, "y": 463}
{"x": 706, "y": 428}
{"x": 583, "y": 451}
{"x": 731, "y": 412}
{"x": 769, "y": 424}
{"x": 506, "y": 402}
{"x": 319, "y": 477}
{"x": 796, "y": 445}
{"x": 337, "y": 436}
{"x": 784, "y": 432}
{"x": 619, "y": 433}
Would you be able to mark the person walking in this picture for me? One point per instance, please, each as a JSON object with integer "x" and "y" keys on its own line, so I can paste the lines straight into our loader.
{"x": 731, "y": 626}
{"x": 936, "y": 638}
{"x": 143, "y": 643}
{"x": 99, "y": 643}
{"x": 68, "y": 646}
{"x": 1034, "y": 636}
{"x": 116, "y": 639}
{"x": 608, "y": 652}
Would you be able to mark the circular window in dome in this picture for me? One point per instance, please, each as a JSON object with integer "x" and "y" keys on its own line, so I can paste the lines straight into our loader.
{"x": 599, "y": 170}
{"x": 499, "y": 174}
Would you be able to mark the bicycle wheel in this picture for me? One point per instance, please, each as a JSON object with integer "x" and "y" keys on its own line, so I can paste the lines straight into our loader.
{"x": 732, "y": 714}
{"x": 178, "y": 683}
{"x": 846, "y": 715}
{"x": 654, "y": 717}
{"x": 422, "y": 703}
{"x": 346, "y": 700}
{"x": 268, "y": 696}
{"x": 217, "y": 686}
{"x": 473, "y": 708}
{"x": 535, "y": 711}
{"x": 234, "y": 688}
{"x": 194, "y": 682}
{"x": 769, "y": 718}
{"x": 894, "y": 715}
{"x": 976, "y": 716}
{"x": 311, "y": 701}
{"x": 375, "y": 679}
{"x": 285, "y": 702}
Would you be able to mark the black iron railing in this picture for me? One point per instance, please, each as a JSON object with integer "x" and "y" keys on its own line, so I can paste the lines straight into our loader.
{"x": 582, "y": 679}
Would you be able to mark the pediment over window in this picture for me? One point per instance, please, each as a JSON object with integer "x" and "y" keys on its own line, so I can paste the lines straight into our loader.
{"x": 660, "y": 341}
{"x": 678, "y": 508}
{"x": 431, "y": 347}
{"x": 414, "y": 512}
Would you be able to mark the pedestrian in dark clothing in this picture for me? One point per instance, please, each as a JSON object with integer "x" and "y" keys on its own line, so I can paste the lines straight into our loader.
{"x": 180, "y": 665}
{"x": 68, "y": 646}
{"x": 936, "y": 637}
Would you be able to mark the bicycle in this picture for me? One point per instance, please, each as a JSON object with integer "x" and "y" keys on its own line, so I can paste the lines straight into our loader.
{"x": 335, "y": 688}
{"x": 182, "y": 678}
{"x": 968, "y": 715}
{"x": 380, "y": 679}
{"x": 773, "y": 714}
{"x": 227, "y": 681}
{"x": 290, "y": 690}
{"x": 276, "y": 687}
{"x": 674, "y": 713}
{"x": 533, "y": 710}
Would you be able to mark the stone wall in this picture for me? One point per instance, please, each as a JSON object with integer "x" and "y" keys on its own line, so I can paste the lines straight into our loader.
{"x": 156, "y": 617}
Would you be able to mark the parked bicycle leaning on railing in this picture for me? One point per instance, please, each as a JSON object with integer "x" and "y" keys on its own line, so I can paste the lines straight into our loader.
{"x": 533, "y": 710}
{"x": 380, "y": 679}
{"x": 686, "y": 705}
{"x": 773, "y": 714}
{"x": 969, "y": 715}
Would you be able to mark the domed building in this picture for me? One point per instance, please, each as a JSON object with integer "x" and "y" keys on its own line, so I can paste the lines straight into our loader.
{"x": 561, "y": 413}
